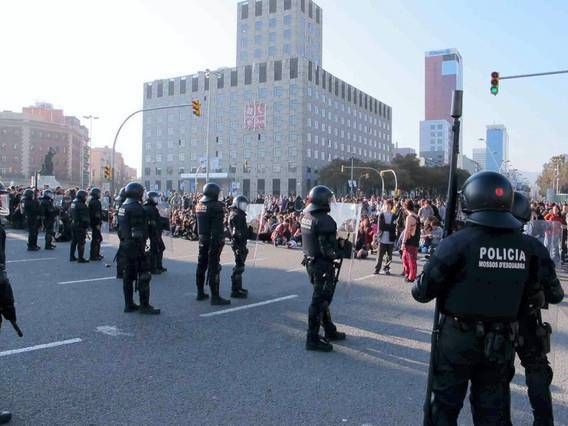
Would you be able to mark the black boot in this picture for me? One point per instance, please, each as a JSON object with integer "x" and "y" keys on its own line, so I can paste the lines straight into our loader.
{"x": 128, "y": 289}
{"x": 5, "y": 417}
{"x": 217, "y": 300}
{"x": 317, "y": 343}
{"x": 200, "y": 282}
{"x": 81, "y": 252}
{"x": 145, "y": 307}
{"x": 331, "y": 332}
{"x": 334, "y": 335}
{"x": 237, "y": 291}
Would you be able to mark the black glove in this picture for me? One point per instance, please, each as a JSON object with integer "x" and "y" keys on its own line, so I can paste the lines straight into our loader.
{"x": 537, "y": 300}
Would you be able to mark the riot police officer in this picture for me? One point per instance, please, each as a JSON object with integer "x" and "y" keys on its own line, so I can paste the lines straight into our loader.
{"x": 156, "y": 225}
{"x": 210, "y": 214}
{"x": 80, "y": 222}
{"x": 96, "y": 221}
{"x": 321, "y": 252}
{"x": 32, "y": 212}
{"x": 239, "y": 230}
{"x": 133, "y": 232}
{"x": 118, "y": 201}
{"x": 534, "y": 334}
{"x": 479, "y": 276}
{"x": 49, "y": 213}
{"x": 7, "y": 309}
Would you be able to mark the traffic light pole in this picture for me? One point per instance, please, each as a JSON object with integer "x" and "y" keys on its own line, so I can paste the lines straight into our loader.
{"x": 533, "y": 75}
{"x": 122, "y": 125}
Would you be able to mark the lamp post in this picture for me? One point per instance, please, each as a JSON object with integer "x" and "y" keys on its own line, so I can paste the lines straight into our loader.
{"x": 122, "y": 125}
{"x": 89, "y": 117}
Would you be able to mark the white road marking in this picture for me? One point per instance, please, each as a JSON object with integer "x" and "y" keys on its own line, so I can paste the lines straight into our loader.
{"x": 112, "y": 330}
{"x": 252, "y": 305}
{"x": 38, "y": 347}
{"x": 31, "y": 260}
{"x": 86, "y": 281}
{"x": 299, "y": 268}
{"x": 364, "y": 278}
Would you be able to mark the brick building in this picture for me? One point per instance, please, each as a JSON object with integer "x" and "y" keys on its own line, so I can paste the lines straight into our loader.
{"x": 101, "y": 157}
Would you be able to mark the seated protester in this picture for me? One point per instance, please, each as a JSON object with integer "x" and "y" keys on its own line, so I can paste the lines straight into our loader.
{"x": 281, "y": 234}
{"x": 265, "y": 231}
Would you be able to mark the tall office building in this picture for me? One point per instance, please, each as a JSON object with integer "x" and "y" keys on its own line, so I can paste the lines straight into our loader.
{"x": 443, "y": 75}
{"x": 497, "y": 140}
{"x": 276, "y": 118}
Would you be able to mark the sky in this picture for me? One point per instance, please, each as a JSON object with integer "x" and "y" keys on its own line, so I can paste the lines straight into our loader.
{"x": 90, "y": 57}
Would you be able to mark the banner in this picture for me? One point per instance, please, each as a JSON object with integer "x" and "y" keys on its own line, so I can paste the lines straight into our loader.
{"x": 255, "y": 220}
{"x": 4, "y": 205}
{"x": 255, "y": 116}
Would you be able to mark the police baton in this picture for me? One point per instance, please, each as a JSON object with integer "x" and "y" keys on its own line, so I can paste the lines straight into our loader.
{"x": 449, "y": 221}
{"x": 17, "y": 328}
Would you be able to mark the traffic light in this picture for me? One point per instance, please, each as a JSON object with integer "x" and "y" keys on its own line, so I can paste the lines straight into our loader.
{"x": 107, "y": 171}
{"x": 196, "y": 107}
{"x": 494, "y": 83}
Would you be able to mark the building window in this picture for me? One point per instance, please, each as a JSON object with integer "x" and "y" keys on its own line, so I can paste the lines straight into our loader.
{"x": 317, "y": 76}
{"x": 160, "y": 89}
{"x": 194, "y": 84}
{"x": 272, "y": 6}
{"x": 258, "y": 39}
{"x": 158, "y": 171}
{"x": 206, "y": 83}
{"x": 287, "y": 4}
{"x": 170, "y": 88}
{"x": 310, "y": 66}
{"x": 323, "y": 79}
{"x": 244, "y": 11}
{"x": 234, "y": 78}
{"x": 272, "y": 22}
{"x": 276, "y": 184}
{"x": 286, "y": 49}
{"x": 287, "y": 19}
{"x": 248, "y": 74}
{"x": 258, "y": 8}
{"x": 182, "y": 86}
{"x": 147, "y": 171}
{"x": 262, "y": 72}
{"x": 148, "y": 91}
{"x": 303, "y": 5}
{"x": 293, "y": 68}
{"x": 221, "y": 81}
{"x": 310, "y": 8}
{"x": 257, "y": 53}
{"x": 287, "y": 34}
{"x": 271, "y": 51}
{"x": 277, "y": 70}
{"x": 318, "y": 12}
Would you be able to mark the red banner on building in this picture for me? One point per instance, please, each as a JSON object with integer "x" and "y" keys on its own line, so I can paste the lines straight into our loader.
{"x": 255, "y": 116}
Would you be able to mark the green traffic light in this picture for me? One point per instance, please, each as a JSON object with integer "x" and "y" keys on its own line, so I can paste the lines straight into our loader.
{"x": 494, "y": 90}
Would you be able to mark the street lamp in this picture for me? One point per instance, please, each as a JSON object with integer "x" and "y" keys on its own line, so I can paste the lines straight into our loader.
{"x": 89, "y": 117}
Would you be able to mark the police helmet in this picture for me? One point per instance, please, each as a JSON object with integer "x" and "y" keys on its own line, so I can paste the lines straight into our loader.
{"x": 134, "y": 190}
{"x": 319, "y": 199}
{"x": 153, "y": 197}
{"x": 95, "y": 192}
{"x": 48, "y": 193}
{"x": 29, "y": 193}
{"x": 81, "y": 195}
{"x": 487, "y": 199}
{"x": 240, "y": 202}
{"x": 211, "y": 192}
{"x": 521, "y": 207}
{"x": 120, "y": 197}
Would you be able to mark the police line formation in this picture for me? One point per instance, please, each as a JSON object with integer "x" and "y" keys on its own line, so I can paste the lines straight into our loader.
{"x": 490, "y": 282}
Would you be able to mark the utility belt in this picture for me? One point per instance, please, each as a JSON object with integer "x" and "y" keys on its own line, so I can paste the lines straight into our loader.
{"x": 499, "y": 337}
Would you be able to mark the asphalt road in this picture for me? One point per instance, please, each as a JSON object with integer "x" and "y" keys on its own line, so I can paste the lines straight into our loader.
{"x": 83, "y": 361}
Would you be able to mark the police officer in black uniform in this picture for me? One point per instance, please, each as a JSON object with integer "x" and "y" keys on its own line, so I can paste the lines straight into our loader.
{"x": 80, "y": 221}
{"x": 66, "y": 232}
{"x": 534, "y": 334}
{"x": 96, "y": 221}
{"x": 156, "y": 225}
{"x": 321, "y": 252}
{"x": 239, "y": 230}
{"x": 49, "y": 214}
{"x": 7, "y": 309}
{"x": 118, "y": 201}
{"x": 210, "y": 214}
{"x": 479, "y": 275}
{"x": 133, "y": 232}
{"x": 32, "y": 212}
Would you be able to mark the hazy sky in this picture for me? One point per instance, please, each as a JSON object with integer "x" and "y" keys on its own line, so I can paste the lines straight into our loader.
{"x": 92, "y": 57}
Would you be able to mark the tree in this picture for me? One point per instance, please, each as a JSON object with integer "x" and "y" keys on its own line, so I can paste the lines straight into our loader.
{"x": 547, "y": 179}
{"x": 422, "y": 181}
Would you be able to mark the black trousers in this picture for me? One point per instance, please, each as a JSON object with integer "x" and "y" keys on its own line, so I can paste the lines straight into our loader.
{"x": 33, "y": 227}
{"x": 96, "y": 240}
{"x": 157, "y": 248}
{"x": 208, "y": 262}
{"x": 49, "y": 232}
{"x": 565, "y": 244}
{"x": 459, "y": 361}
{"x": 241, "y": 252}
{"x": 538, "y": 374}
{"x": 2, "y": 247}
{"x": 79, "y": 236}
{"x": 135, "y": 264}
{"x": 384, "y": 249}
{"x": 321, "y": 274}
